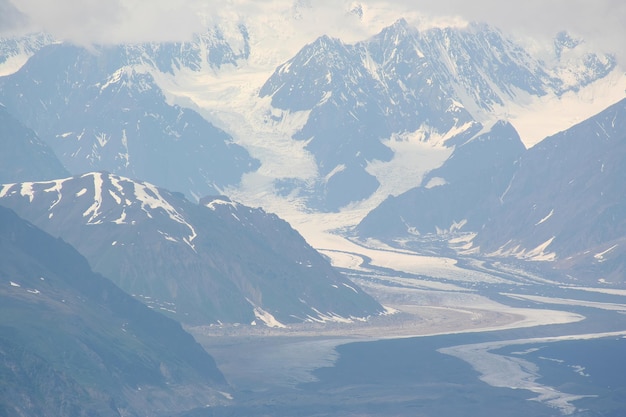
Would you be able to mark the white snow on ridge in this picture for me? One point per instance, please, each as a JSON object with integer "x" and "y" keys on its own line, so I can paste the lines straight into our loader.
{"x": 93, "y": 210}
{"x": 267, "y": 318}
{"x": 328, "y": 318}
{"x": 545, "y": 218}
{"x": 26, "y": 190}
{"x": 536, "y": 254}
{"x": 56, "y": 187}
{"x": 600, "y": 256}
{"x": 148, "y": 195}
{"x": 5, "y": 189}
{"x": 220, "y": 202}
{"x": 13, "y": 63}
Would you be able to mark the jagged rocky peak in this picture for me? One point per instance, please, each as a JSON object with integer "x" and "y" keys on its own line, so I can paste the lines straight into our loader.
{"x": 212, "y": 48}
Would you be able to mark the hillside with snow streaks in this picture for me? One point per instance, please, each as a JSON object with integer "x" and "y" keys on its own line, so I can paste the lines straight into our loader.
{"x": 559, "y": 203}
{"x": 213, "y": 262}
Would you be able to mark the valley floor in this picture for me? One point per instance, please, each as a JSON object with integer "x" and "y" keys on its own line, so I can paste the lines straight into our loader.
{"x": 461, "y": 308}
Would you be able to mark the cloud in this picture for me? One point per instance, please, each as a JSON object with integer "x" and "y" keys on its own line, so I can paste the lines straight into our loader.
{"x": 114, "y": 21}
{"x": 11, "y": 19}
{"x": 601, "y": 20}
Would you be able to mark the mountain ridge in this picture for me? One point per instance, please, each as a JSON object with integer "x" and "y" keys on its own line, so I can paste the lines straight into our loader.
{"x": 217, "y": 261}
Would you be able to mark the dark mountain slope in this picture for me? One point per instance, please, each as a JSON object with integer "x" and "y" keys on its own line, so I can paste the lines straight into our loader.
{"x": 73, "y": 344}
{"x": 569, "y": 194}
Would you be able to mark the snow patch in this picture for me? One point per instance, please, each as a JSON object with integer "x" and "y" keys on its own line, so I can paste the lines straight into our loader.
{"x": 435, "y": 182}
{"x": 93, "y": 210}
{"x": 328, "y": 317}
{"x": 537, "y": 254}
{"x": 266, "y": 317}
{"x": 600, "y": 256}
{"x": 151, "y": 199}
{"x": 220, "y": 202}
{"x": 335, "y": 171}
{"x": 5, "y": 189}
{"x": 26, "y": 190}
{"x": 545, "y": 218}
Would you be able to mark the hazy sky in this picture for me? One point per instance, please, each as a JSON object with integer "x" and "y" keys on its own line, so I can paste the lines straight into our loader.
{"x": 602, "y": 22}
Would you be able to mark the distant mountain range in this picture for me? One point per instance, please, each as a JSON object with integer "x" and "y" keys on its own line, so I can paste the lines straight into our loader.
{"x": 442, "y": 82}
{"x": 101, "y": 111}
{"x": 73, "y": 344}
{"x": 560, "y": 201}
{"x": 110, "y": 109}
{"x": 111, "y": 150}
{"x": 213, "y": 262}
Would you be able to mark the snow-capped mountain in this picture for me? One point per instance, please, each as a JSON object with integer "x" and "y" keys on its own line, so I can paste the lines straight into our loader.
{"x": 214, "y": 262}
{"x": 441, "y": 82}
{"x": 100, "y": 111}
{"x": 333, "y": 106}
{"x": 74, "y": 344}
{"x": 333, "y": 128}
{"x": 23, "y": 156}
{"x": 561, "y": 201}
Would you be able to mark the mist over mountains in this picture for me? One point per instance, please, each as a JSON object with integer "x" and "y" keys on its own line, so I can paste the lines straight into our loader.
{"x": 197, "y": 179}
